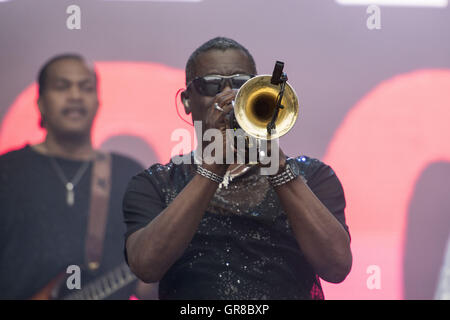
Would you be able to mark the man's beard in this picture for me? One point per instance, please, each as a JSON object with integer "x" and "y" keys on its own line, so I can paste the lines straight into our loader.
{"x": 72, "y": 136}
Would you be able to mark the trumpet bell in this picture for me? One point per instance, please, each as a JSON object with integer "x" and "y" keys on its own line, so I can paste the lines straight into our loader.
{"x": 255, "y": 105}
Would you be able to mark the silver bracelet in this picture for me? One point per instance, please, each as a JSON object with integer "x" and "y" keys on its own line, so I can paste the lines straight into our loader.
{"x": 209, "y": 174}
{"x": 284, "y": 177}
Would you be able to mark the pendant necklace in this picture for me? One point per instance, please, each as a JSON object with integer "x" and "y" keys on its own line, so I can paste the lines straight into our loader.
{"x": 69, "y": 184}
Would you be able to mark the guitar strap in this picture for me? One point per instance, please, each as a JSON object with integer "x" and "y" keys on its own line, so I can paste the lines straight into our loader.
{"x": 98, "y": 210}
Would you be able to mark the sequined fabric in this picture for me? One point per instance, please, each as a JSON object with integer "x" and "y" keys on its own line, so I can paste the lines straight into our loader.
{"x": 244, "y": 247}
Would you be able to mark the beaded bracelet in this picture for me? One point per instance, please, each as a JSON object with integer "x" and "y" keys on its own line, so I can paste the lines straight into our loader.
{"x": 284, "y": 177}
{"x": 209, "y": 174}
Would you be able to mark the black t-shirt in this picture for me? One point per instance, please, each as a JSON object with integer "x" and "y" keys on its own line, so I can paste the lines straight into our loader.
{"x": 40, "y": 235}
{"x": 244, "y": 247}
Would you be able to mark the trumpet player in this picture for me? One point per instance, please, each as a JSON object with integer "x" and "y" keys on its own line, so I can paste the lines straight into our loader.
{"x": 260, "y": 237}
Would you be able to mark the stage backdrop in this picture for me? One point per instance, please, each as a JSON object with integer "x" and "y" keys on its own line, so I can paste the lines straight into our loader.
{"x": 373, "y": 85}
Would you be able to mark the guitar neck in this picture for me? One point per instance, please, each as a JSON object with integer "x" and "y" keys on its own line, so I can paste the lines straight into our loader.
{"x": 104, "y": 286}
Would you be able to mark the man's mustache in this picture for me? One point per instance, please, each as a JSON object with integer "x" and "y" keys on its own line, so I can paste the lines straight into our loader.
{"x": 82, "y": 109}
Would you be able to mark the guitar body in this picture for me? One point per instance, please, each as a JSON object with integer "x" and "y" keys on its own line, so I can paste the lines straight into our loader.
{"x": 49, "y": 291}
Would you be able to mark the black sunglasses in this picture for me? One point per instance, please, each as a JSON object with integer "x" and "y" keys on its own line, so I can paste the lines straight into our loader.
{"x": 213, "y": 84}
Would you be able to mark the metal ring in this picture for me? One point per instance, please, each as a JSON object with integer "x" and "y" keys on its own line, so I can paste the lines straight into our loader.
{"x": 217, "y": 107}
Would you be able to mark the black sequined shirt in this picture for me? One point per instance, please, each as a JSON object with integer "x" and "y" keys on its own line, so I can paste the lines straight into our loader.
{"x": 244, "y": 247}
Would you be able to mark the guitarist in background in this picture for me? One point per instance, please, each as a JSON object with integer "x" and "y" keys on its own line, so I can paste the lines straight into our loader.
{"x": 50, "y": 214}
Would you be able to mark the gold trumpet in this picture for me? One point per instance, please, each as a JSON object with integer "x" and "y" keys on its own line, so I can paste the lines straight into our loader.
{"x": 256, "y": 103}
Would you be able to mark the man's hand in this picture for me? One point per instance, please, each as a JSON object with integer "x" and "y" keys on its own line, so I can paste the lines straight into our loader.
{"x": 217, "y": 119}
